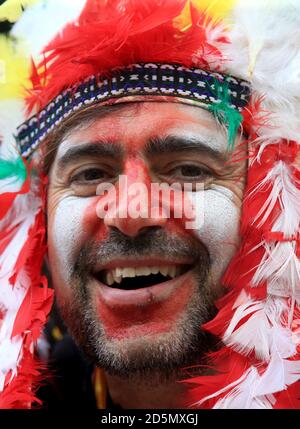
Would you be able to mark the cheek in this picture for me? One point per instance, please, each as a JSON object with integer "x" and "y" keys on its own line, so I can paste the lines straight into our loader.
{"x": 66, "y": 234}
{"x": 220, "y": 229}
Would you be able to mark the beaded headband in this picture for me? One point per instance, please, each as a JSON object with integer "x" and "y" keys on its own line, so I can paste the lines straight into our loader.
{"x": 222, "y": 94}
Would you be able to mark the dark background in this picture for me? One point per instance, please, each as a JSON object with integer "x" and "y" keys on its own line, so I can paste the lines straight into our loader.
{"x": 4, "y": 26}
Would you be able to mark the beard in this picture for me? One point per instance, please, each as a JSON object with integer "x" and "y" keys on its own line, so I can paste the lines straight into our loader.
{"x": 159, "y": 356}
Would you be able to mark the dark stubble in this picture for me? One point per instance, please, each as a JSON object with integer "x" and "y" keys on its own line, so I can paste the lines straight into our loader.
{"x": 150, "y": 356}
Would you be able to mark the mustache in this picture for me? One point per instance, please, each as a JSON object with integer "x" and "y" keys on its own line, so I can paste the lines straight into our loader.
{"x": 153, "y": 242}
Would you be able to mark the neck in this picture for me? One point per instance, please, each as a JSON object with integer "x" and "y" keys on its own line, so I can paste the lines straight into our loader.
{"x": 146, "y": 393}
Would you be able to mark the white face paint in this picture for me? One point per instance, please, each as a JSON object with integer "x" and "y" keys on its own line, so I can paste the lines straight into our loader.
{"x": 88, "y": 305}
{"x": 67, "y": 235}
{"x": 220, "y": 229}
{"x": 67, "y": 232}
{"x": 219, "y": 216}
{"x": 215, "y": 141}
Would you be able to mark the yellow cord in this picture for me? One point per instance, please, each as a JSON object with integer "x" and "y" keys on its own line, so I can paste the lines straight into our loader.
{"x": 100, "y": 388}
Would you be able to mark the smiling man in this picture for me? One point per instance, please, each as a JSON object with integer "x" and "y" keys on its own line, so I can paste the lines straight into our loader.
{"x": 170, "y": 207}
{"x": 135, "y": 290}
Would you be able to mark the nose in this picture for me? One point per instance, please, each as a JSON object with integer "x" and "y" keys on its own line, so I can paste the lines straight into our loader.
{"x": 134, "y": 226}
{"x": 134, "y": 211}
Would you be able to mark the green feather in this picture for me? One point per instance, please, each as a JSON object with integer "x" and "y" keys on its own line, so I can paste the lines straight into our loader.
{"x": 225, "y": 113}
{"x": 13, "y": 168}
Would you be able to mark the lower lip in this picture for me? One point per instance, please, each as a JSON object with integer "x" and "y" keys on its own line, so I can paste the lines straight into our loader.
{"x": 145, "y": 311}
{"x": 114, "y": 297}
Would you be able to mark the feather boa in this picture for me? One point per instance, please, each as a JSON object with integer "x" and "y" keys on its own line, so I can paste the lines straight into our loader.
{"x": 25, "y": 300}
{"x": 258, "y": 365}
{"x": 258, "y": 320}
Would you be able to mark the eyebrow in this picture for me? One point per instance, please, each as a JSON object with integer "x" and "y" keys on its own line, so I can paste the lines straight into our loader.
{"x": 99, "y": 149}
{"x": 155, "y": 146}
{"x": 164, "y": 145}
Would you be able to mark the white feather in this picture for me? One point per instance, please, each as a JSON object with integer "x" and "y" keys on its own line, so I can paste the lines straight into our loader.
{"x": 283, "y": 191}
{"x": 279, "y": 374}
{"x": 10, "y": 184}
{"x": 21, "y": 215}
{"x": 41, "y": 22}
{"x": 12, "y": 114}
{"x": 265, "y": 49}
{"x": 280, "y": 266}
{"x": 242, "y": 298}
{"x": 242, "y": 311}
{"x": 225, "y": 389}
{"x": 242, "y": 397}
{"x": 10, "y": 348}
{"x": 258, "y": 332}
{"x": 257, "y": 392}
{"x": 214, "y": 33}
{"x": 289, "y": 220}
{"x": 280, "y": 125}
{"x": 251, "y": 335}
{"x": 9, "y": 354}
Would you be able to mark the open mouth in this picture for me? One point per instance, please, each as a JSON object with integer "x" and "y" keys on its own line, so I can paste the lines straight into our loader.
{"x": 133, "y": 278}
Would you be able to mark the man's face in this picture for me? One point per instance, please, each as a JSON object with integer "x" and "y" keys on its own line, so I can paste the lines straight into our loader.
{"x": 135, "y": 290}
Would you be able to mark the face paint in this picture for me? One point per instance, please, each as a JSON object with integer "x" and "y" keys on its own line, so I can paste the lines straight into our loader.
{"x": 65, "y": 235}
{"x": 81, "y": 245}
{"x": 219, "y": 232}
{"x": 128, "y": 321}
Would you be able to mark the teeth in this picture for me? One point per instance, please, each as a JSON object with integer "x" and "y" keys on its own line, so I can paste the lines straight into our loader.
{"x": 172, "y": 272}
{"x": 142, "y": 271}
{"x": 128, "y": 272}
{"x": 109, "y": 278}
{"x": 164, "y": 271}
{"x": 117, "y": 274}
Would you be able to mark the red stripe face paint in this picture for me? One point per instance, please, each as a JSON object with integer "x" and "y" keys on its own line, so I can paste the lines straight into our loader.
{"x": 148, "y": 311}
{"x": 96, "y": 261}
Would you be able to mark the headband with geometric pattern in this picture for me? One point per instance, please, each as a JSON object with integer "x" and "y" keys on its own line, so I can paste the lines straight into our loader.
{"x": 170, "y": 80}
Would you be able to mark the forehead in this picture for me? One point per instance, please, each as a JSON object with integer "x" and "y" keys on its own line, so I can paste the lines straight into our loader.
{"x": 134, "y": 124}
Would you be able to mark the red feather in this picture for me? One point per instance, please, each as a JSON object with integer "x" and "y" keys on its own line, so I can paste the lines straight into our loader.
{"x": 227, "y": 365}
{"x": 114, "y": 34}
{"x": 32, "y": 314}
{"x": 230, "y": 367}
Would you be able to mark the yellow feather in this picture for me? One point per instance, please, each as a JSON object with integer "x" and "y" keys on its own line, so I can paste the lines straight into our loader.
{"x": 215, "y": 9}
{"x": 184, "y": 21}
{"x": 11, "y": 10}
{"x": 14, "y": 70}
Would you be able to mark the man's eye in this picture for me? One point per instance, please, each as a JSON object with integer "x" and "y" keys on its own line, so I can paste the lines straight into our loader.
{"x": 90, "y": 175}
{"x": 191, "y": 172}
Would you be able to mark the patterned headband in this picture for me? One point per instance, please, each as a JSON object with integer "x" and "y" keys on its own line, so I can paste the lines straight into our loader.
{"x": 224, "y": 95}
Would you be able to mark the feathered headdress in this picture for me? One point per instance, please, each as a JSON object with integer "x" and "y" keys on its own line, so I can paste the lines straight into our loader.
{"x": 212, "y": 54}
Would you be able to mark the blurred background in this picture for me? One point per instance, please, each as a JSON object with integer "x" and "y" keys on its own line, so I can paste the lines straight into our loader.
{"x": 4, "y": 26}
